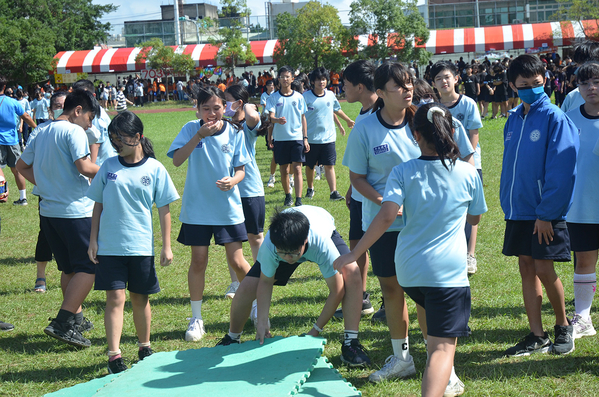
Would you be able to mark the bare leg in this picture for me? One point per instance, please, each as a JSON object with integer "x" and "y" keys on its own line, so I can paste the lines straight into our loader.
{"x": 284, "y": 168}
{"x": 76, "y": 291}
{"x": 19, "y": 179}
{"x": 363, "y": 263}
{"x": 142, "y": 316}
{"x": 532, "y": 294}
{"x": 297, "y": 171}
{"x": 273, "y": 165}
{"x": 352, "y": 299}
{"x": 113, "y": 317}
{"x": 472, "y": 241}
{"x": 242, "y": 303}
{"x": 438, "y": 366}
{"x": 196, "y": 276}
{"x": 553, "y": 288}
{"x": 41, "y": 272}
{"x": 310, "y": 177}
{"x": 395, "y": 307}
{"x": 329, "y": 172}
{"x": 236, "y": 259}
{"x": 255, "y": 241}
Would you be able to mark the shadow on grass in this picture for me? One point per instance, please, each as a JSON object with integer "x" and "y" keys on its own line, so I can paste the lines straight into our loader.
{"x": 72, "y": 371}
{"x": 14, "y": 261}
{"x": 505, "y": 311}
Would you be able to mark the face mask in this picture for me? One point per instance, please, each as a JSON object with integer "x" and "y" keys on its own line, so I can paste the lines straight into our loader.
{"x": 425, "y": 101}
{"x": 48, "y": 95}
{"x": 531, "y": 95}
{"x": 229, "y": 112}
{"x": 57, "y": 113}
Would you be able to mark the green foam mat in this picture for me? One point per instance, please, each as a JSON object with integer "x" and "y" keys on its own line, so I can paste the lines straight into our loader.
{"x": 326, "y": 381}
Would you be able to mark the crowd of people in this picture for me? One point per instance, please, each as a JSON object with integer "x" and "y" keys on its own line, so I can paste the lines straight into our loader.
{"x": 415, "y": 200}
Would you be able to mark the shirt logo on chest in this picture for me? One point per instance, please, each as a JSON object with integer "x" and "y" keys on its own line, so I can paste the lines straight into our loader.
{"x": 199, "y": 145}
{"x": 535, "y": 135}
{"x": 381, "y": 149}
{"x": 225, "y": 148}
{"x": 111, "y": 177}
{"x": 145, "y": 180}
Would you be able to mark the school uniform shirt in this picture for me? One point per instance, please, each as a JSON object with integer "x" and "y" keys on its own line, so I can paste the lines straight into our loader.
{"x": 41, "y": 107}
{"x": 573, "y": 100}
{"x": 251, "y": 185}
{"x": 127, "y": 193}
{"x": 373, "y": 149}
{"x": 460, "y": 136}
{"x": 319, "y": 116}
{"x": 264, "y": 98}
{"x": 53, "y": 152}
{"x": 292, "y": 107}
{"x": 26, "y": 105}
{"x": 466, "y": 111}
{"x": 431, "y": 248}
{"x": 10, "y": 112}
{"x": 320, "y": 249}
{"x": 214, "y": 158}
{"x": 362, "y": 115}
{"x": 106, "y": 150}
{"x": 584, "y": 207}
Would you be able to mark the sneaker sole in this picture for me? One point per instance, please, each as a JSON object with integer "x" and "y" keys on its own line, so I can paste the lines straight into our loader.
{"x": 68, "y": 341}
{"x": 564, "y": 353}
{"x": 230, "y": 295}
{"x": 191, "y": 338}
{"x": 401, "y": 376}
{"x": 585, "y": 333}
{"x": 543, "y": 350}
{"x": 367, "y": 311}
{"x": 352, "y": 365}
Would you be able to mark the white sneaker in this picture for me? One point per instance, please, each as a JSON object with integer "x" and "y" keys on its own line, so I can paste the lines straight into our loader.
{"x": 195, "y": 329}
{"x": 271, "y": 181}
{"x": 455, "y": 387}
{"x": 291, "y": 181}
{"x": 582, "y": 327}
{"x": 254, "y": 314}
{"x": 394, "y": 368}
{"x": 317, "y": 173}
{"x": 232, "y": 289}
{"x": 471, "y": 264}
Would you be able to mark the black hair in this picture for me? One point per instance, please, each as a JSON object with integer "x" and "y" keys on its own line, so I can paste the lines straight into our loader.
{"x": 237, "y": 91}
{"x": 319, "y": 74}
{"x": 127, "y": 124}
{"x": 203, "y": 95}
{"x": 297, "y": 85}
{"x": 55, "y": 96}
{"x": 19, "y": 93}
{"x": 269, "y": 81}
{"x": 422, "y": 90}
{"x": 361, "y": 72}
{"x": 439, "y": 132}
{"x": 84, "y": 85}
{"x": 589, "y": 70}
{"x": 3, "y": 83}
{"x": 440, "y": 66}
{"x": 587, "y": 50}
{"x": 303, "y": 78}
{"x": 83, "y": 98}
{"x": 288, "y": 229}
{"x": 284, "y": 69}
{"x": 527, "y": 66}
{"x": 397, "y": 72}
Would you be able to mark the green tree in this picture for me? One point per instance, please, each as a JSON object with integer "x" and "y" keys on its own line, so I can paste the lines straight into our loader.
{"x": 313, "y": 38}
{"x": 75, "y": 23}
{"x": 234, "y": 48}
{"x": 26, "y": 50}
{"x": 395, "y": 26}
{"x": 580, "y": 10}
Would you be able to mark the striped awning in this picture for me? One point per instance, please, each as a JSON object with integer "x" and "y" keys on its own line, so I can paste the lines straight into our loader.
{"x": 498, "y": 38}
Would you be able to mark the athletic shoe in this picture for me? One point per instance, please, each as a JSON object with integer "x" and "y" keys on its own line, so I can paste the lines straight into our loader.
{"x": 310, "y": 193}
{"x": 564, "y": 341}
{"x": 195, "y": 330}
{"x": 380, "y": 314}
{"x": 144, "y": 352}
{"x": 454, "y": 388}
{"x": 317, "y": 173}
{"x": 271, "y": 181}
{"x": 232, "y": 289}
{"x": 471, "y": 260}
{"x": 226, "y": 341}
{"x": 298, "y": 201}
{"x": 67, "y": 333}
{"x": 291, "y": 181}
{"x": 288, "y": 200}
{"x": 20, "y": 202}
{"x": 582, "y": 327}
{"x": 6, "y": 326}
{"x": 529, "y": 345}
{"x": 353, "y": 355}
{"x": 366, "y": 305}
{"x": 394, "y": 368}
{"x": 85, "y": 325}
{"x": 335, "y": 196}
{"x": 254, "y": 314}
{"x": 116, "y": 366}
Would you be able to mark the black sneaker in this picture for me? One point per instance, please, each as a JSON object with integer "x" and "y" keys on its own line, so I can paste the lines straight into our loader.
{"x": 564, "y": 340}
{"x": 116, "y": 366}
{"x": 20, "y": 202}
{"x": 85, "y": 325}
{"x": 226, "y": 341}
{"x": 298, "y": 201}
{"x": 366, "y": 305}
{"x": 338, "y": 314}
{"x": 380, "y": 315}
{"x": 353, "y": 355}
{"x": 529, "y": 345}
{"x": 67, "y": 333}
{"x": 6, "y": 326}
{"x": 288, "y": 200}
{"x": 144, "y": 352}
{"x": 310, "y": 193}
{"x": 335, "y": 196}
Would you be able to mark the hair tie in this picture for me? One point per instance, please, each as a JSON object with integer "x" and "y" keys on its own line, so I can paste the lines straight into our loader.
{"x": 432, "y": 111}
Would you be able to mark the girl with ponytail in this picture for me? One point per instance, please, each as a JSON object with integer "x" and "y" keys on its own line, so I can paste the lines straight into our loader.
{"x": 122, "y": 241}
{"x": 437, "y": 193}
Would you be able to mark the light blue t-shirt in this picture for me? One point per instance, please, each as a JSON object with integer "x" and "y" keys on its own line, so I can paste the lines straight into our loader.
{"x": 584, "y": 207}
{"x": 320, "y": 250}
{"x": 292, "y": 107}
{"x": 127, "y": 193}
{"x": 362, "y": 115}
{"x": 251, "y": 185}
{"x": 106, "y": 150}
{"x": 373, "y": 149}
{"x": 214, "y": 158}
{"x": 10, "y": 114}
{"x": 466, "y": 111}
{"x": 319, "y": 116}
{"x": 572, "y": 101}
{"x": 431, "y": 248}
{"x": 460, "y": 136}
{"x": 41, "y": 107}
{"x": 53, "y": 152}
{"x": 263, "y": 99}
{"x": 26, "y": 105}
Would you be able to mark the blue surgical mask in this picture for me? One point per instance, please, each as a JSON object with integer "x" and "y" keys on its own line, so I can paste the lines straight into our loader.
{"x": 531, "y": 95}
{"x": 48, "y": 95}
{"x": 57, "y": 113}
{"x": 229, "y": 112}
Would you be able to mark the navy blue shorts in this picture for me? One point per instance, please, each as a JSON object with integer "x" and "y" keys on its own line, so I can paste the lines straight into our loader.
{"x": 447, "y": 309}
{"x": 355, "y": 220}
{"x": 69, "y": 240}
{"x": 287, "y": 152}
{"x": 254, "y": 211}
{"x": 321, "y": 153}
{"x": 584, "y": 236}
{"x": 285, "y": 270}
{"x": 382, "y": 255}
{"x": 136, "y": 273}
{"x": 519, "y": 240}
{"x": 43, "y": 252}
{"x": 200, "y": 235}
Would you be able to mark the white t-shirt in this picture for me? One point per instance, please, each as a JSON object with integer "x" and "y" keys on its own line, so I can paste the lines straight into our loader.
{"x": 319, "y": 116}
{"x": 292, "y": 107}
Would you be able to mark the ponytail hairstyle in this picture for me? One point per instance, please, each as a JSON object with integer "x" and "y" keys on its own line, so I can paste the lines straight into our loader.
{"x": 203, "y": 95}
{"x": 127, "y": 124}
{"x": 434, "y": 122}
{"x": 401, "y": 76}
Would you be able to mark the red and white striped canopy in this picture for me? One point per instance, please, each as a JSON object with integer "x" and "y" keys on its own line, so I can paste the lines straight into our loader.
{"x": 498, "y": 38}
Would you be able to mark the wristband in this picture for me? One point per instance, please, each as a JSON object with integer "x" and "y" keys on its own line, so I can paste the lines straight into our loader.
{"x": 305, "y": 137}
{"x": 316, "y": 327}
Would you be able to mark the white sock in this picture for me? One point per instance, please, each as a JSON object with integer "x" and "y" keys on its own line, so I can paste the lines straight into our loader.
{"x": 584, "y": 291}
{"x": 196, "y": 309}
{"x": 453, "y": 374}
{"x": 23, "y": 194}
{"x": 349, "y": 336}
{"x": 235, "y": 335}
{"x": 401, "y": 348}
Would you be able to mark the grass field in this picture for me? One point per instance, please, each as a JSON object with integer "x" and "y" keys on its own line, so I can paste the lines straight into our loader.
{"x": 32, "y": 363}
